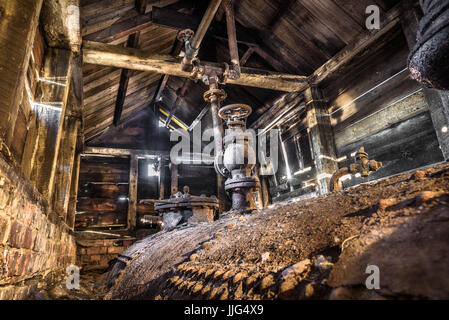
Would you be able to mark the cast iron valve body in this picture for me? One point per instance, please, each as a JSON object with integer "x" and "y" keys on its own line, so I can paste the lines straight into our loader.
{"x": 239, "y": 159}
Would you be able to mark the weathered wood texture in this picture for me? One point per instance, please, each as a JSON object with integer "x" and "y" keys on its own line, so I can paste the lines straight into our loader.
{"x": 141, "y": 131}
{"x": 381, "y": 108}
{"x": 103, "y": 192}
{"x": 71, "y": 210}
{"x": 403, "y": 146}
{"x": 71, "y": 133}
{"x": 132, "y": 42}
{"x": 321, "y": 138}
{"x": 132, "y": 203}
{"x": 113, "y": 22}
{"x": 65, "y": 165}
{"x": 49, "y": 111}
{"x": 61, "y": 21}
{"x": 119, "y": 57}
{"x": 18, "y": 22}
{"x": 373, "y": 102}
{"x": 31, "y": 82}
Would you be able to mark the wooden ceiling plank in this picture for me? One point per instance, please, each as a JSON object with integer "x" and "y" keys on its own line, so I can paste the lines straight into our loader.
{"x": 135, "y": 83}
{"x": 133, "y": 90}
{"x": 359, "y": 44}
{"x": 344, "y": 26}
{"x": 106, "y": 18}
{"x": 121, "y": 29}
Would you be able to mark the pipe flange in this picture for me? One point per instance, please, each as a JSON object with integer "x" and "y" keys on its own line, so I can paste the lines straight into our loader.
{"x": 242, "y": 183}
{"x": 185, "y": 35}
{"x": 236, "y": 124}
{"x": 218, "y": 94}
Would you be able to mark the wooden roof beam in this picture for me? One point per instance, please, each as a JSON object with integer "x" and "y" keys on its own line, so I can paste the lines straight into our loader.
{"x": 128, "y": 58}
{"x": 62, "y": 24}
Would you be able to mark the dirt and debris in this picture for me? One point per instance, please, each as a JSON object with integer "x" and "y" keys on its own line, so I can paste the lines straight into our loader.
{"x": 312, "y": 249}
{"x": 92, "y": 286}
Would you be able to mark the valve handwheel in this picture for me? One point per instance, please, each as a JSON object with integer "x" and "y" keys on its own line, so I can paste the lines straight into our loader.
{"x": 235, "y": 112}
{"x": 185, "y": 34}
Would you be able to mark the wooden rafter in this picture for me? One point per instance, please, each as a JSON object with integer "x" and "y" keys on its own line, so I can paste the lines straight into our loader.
{"x": 133, "y": 41}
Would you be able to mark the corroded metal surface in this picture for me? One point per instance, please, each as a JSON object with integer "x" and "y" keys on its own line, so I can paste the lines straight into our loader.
{"x": 428, "y": 61}
{"x": 239, "y": 159}
{"x": 312, "y": 249}
{"x": 186, "y": 208}
{"x": 142, "y": 269}
{"x": 363, "y": 165}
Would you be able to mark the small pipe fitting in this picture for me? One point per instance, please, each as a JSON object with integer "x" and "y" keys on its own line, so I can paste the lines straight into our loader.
{"x": 363, "y": 165}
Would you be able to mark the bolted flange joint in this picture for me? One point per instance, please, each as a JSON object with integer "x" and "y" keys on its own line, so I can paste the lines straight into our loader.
{"x": 214, "y": 94}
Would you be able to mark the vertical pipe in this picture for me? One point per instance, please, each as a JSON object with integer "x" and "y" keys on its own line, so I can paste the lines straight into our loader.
{"x": 218, "y": 128}
{"x": 232, "y": 36}
{"x": 174, "y": 178}
{"x": 161, "y": 177}
{"x": 200, "y": 32}
{"x": 205, "y": 23}
{"x": 133, "y": 181}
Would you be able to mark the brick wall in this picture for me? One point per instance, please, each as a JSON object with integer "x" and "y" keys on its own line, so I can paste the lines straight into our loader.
{"x": 96, "y": 254}
{"x": 35, "y": 244}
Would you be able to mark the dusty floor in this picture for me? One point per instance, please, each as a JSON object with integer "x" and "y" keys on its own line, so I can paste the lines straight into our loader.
{"x": 92, "y": 287}
{"x": 312, "y": 249}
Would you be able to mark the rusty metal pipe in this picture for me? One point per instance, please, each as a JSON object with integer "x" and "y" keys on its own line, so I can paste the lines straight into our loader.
{"x": 335, "y": 179}
{"x": 218, "y": 128}
{"x": 194, "y": 45}
{"x": 232, "y": 39}
{"x": 363, "y": 166}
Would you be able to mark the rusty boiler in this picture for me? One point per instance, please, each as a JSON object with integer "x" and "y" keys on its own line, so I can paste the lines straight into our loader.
{"x": 429, "y": 59}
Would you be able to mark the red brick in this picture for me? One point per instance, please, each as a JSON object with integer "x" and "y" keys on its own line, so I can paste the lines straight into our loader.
{"x": 13, "y": 261}
{"x": 93, "y": 250}
{"x": 37, "y": 218}
{"x": 26, "y": 260}
{"x": 31, "y": 262}
{"x": 115, "y": 249}
{"x": 16, "y": 234}
{"x": 28, "y": 239}
{"x": 28, "y": 214}
{"x": 4, "y": 228}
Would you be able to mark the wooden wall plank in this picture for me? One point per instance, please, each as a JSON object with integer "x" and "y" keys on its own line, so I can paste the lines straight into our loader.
{"x": 133, "y": 179}
{"x": 18, "y": 22}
